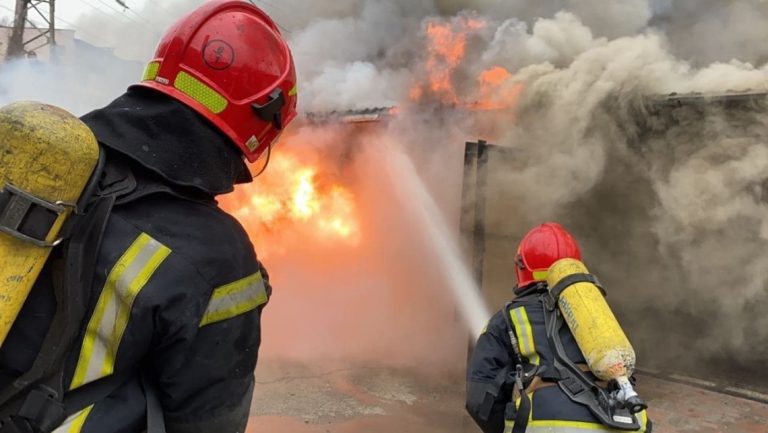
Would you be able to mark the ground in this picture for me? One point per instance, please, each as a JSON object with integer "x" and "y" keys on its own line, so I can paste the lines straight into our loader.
{"x": 296, "y": 399}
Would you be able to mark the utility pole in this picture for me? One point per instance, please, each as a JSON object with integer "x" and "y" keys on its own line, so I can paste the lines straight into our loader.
{"x": 18, "y": 46}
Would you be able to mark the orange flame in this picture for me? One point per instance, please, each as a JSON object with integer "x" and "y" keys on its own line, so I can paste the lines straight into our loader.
{"x": 296, "y": 198}
{"x": 446, "y": 46}
{"x": 495, "y": 92}
{"x": 494, "y": 76}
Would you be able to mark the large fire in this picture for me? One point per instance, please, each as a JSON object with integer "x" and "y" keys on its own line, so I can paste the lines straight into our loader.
{"x": 295, "y": 197}
{"x": 301, "y": 198}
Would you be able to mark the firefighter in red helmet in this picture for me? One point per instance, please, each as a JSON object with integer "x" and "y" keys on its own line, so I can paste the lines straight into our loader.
{"x": 159, "y": 330}
{"x": 518, "y": 352}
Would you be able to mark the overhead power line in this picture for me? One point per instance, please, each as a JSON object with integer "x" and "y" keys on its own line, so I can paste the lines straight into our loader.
{"x": 89, "y": 34}
{"x": 145, "y": 23}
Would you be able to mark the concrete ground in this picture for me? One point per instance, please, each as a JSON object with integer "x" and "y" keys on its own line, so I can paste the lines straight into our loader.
{"x": 296, "y": 399}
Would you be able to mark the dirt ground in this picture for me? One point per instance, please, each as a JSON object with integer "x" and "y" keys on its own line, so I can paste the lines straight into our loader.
{"x": 296, "y": 399}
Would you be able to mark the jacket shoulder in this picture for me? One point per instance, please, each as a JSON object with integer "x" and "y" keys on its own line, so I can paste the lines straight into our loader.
{"x": 209, "y": 239}
{"x": 497, "y": 324}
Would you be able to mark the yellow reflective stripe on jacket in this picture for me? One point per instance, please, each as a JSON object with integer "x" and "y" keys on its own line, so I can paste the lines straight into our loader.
{"x": 235, "y": 298}
{"x": 113, "y": 309}
{"x": 524, "y": 333}
{"x": 558, "y": 426}
{"x": 75, "y": 422}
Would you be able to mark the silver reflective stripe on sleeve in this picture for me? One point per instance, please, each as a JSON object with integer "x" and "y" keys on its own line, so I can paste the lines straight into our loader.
{"x": 234, "y": 299}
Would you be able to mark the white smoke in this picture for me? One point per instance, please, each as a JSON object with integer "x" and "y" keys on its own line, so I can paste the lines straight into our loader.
{"x": 557, "y": 41}
{"x": 133, "y": 34}
{"x": 79, "y": 86}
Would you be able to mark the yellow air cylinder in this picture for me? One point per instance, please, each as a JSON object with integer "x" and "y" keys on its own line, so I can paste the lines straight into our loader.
{"x": 598, "y": 334}
{"x": 48, "y": 155}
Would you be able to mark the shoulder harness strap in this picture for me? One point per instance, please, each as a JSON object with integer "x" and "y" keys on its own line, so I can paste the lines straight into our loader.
{"x": 35, "y": 401}
{"x": 554, "y": 293}
{"x": 575, "y": 383}
{"x": 523, "y": 375}
{"x": 38, "y": 402}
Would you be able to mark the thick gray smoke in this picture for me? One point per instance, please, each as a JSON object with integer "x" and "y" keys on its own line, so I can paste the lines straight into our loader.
{"x": 668, "y": 202}
{"x": 706, "y": 31}
{"x": 611, "y": 19}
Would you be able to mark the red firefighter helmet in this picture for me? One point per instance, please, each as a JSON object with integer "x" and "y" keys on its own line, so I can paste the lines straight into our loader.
{"x": 228, "y": 61}
{"x": 540, "y": 248}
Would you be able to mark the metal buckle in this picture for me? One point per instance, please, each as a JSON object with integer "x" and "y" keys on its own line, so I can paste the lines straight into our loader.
{"x": 43, "y": 409}
{"x": 550, "y": 303}
{"x": 17, "y": 207}
{"x": 519, "y": 378}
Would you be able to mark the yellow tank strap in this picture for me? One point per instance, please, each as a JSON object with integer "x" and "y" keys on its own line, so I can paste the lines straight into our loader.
{"x": 524, "y": 333}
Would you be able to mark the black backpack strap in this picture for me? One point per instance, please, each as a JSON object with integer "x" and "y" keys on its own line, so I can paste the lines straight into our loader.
{"x": 522, "y": 414}
{"x": 38, "y": 402}
{"x": 42, "y": 413}
{"x": 557, "y": 290}
{"x": 37, "y": 395}
{"x": 578, "y": 385}
{"x": 86, "y": 395}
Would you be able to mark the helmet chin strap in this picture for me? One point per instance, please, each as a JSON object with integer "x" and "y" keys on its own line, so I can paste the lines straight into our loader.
{"x": 266, "y": 163}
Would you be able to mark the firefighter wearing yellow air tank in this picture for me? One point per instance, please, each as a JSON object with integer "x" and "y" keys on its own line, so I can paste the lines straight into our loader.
{"x": 559, "y": 343}
{"x": 129, "y": 301}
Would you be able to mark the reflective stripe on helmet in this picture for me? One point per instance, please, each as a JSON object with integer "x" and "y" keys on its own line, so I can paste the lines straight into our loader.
{"x": 524, "y": 333}
{"x": 235, "y": 298}
{"x": 200, "y": 92}
{"x": 150, "y": 72}
{"x": 294, "y": 90}
{"x": 540, "y": 275}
